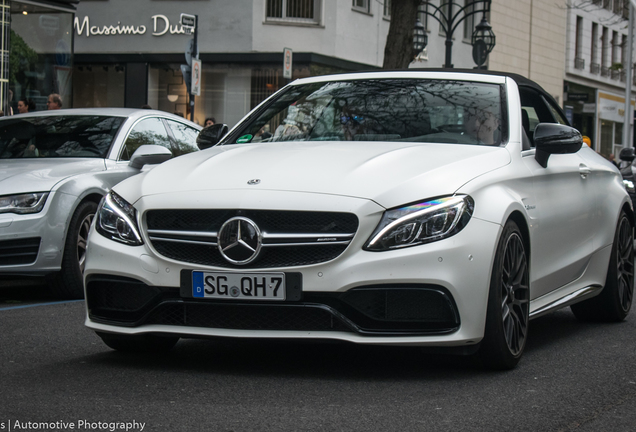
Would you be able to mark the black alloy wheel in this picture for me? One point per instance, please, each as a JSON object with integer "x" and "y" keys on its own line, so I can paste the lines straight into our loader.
{"x": 625, "y": 265}
{"x": 508, "y": 312}
{"x": 615, "y": 301}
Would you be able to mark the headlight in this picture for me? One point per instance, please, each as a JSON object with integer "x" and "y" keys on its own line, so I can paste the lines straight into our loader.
{"x": 117, "y": 220}
{"x": 421, "y": 223}
{"x": 23, "y": 203}
{"x": 629, "y": 186}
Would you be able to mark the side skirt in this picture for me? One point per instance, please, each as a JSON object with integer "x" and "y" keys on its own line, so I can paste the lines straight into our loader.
{"x": 570, "y": 299}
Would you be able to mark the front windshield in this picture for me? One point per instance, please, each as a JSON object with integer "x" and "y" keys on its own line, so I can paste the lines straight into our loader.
{"x": 57, "y": 136}
{"x": 414, "y": 110}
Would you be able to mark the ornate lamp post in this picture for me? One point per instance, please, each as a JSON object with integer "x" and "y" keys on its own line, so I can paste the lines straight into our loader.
{"x": 483, "y": 41}
{"x": 420, "y": 38}
{"x": 450, "y": 14}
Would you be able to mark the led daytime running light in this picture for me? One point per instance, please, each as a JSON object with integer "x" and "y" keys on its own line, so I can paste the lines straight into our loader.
{"x": 115, "y": 203}
{"x": 427, "y": 207}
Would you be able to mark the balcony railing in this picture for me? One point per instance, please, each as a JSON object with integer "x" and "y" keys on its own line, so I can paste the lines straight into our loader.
{"x": 595, "y": 68}
{"x": 579, "y": 63}
{"x": 605, "y": 71}
{"x": 616, "y": 74}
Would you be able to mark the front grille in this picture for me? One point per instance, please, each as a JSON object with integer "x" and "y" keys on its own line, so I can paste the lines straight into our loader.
{"x": 274, "y": 257}
{"x": 289, "y": 238}
{"x": 377, "y": 310}
{"x": 23, "y": 251}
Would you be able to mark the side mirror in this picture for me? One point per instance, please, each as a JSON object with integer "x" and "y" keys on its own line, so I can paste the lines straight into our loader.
{"x": 552, "y": 138}
{"x": 211, "y": 135}
{"x": 149, "y": 154}
{"x": 627, "y": 154}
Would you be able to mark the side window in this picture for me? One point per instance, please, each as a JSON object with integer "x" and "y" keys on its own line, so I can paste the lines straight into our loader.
{"x": 557, "y": 114}
{"x": 185, "y": 137}
{"x": 534, "y": 110}
{"x": 148, "y": 131}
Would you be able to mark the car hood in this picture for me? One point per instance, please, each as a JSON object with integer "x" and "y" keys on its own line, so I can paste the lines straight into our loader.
{"x": 388, "y": 173}
{"x": 41, "y": 175}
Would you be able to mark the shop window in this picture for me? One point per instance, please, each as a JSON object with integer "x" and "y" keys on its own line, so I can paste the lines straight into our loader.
{"x": 40, "y": 58}
{"x": 99, "y": 85}
{"x": 147, "y": 131}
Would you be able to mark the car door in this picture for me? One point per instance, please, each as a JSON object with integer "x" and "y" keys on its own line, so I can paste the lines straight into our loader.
{"x": 563, "y": 235}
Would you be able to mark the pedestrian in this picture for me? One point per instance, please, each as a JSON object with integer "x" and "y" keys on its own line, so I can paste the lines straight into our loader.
{"x": 209, "y": 121}
{"x": 54, "y": 102}
{"x": 23, "y": 106}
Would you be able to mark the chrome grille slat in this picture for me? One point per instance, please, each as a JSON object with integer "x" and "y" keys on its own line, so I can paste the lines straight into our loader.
{"x": 289, "y": 238}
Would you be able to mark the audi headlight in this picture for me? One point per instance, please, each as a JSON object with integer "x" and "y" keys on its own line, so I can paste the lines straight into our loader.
{"x": 117, "y": 220}
{"x": 23, "y": 203}
{"x": 629, "y": 186}
{"x": 421, "y": 223}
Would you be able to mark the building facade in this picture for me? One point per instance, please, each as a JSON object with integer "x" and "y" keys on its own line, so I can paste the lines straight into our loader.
{"x": 130, "y": 53}
{"x": 595, "y": 76}
{"x": 37, "y": 51}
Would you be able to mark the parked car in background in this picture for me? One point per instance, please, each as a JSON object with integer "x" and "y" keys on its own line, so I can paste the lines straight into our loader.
{"x": 55, "y": 167}
{"x": 628, "y": 171}
{"x": 435, "y": 209}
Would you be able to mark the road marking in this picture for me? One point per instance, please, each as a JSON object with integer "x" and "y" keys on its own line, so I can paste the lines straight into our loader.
{"x": 39, "y": 304}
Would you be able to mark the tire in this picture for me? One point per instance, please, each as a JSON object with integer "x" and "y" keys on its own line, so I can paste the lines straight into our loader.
{"x": 69, "y": 283}
{"x": 615, "y": 301}
{"x": 507, "y": 316}
{"x": 146, "y": 343}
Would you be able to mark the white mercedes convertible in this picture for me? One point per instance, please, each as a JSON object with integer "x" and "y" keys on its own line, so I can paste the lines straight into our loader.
{"x": 426, "y": 208}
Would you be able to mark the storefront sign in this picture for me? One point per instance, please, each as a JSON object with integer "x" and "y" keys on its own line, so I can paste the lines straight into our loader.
{"x": 160, "y": 26}
{"x": 612, "y": 107}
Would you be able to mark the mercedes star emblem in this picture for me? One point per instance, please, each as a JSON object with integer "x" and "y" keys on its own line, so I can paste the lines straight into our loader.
{"x": 239, "y": 240}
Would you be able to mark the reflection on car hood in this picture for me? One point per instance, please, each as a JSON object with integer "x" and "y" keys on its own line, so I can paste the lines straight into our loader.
{"x": 40, "y": 175}
{"x": 387, "y": 173}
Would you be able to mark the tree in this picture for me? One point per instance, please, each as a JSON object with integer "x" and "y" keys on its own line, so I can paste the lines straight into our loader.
{"x": 398, "y": 51}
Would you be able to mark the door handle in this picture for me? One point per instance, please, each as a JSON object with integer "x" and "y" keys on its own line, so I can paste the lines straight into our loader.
{"x": 584, "y": 170}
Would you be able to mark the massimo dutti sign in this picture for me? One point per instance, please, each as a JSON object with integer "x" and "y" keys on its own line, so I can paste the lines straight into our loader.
{"x": 160, "y": 25}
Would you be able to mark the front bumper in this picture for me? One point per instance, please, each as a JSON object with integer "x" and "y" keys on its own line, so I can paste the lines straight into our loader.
{"x": 133, "y": 290}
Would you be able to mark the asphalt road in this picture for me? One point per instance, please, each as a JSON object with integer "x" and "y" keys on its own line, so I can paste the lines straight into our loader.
{"x": 573, "y": 377}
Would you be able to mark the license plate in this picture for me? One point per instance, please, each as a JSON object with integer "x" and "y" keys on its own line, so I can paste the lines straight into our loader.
{"x": 238, "y": 286}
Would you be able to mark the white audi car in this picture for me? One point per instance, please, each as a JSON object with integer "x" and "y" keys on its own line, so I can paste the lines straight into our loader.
{"x": 55, "y": 167}
{"x": 436, "y": 209}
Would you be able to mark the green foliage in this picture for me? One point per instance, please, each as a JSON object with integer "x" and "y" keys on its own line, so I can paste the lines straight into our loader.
{"x": 21, "y": 56}
{"x": 616, "y": 66}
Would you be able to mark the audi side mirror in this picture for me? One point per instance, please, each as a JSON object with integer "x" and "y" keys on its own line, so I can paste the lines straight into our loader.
{"x": 149, "y": 154}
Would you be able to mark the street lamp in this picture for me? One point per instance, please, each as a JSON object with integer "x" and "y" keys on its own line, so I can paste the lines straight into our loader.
{"x": 450, "y": 14}
{"x": 483, "y": 41}
{"x": 420, "y": 38}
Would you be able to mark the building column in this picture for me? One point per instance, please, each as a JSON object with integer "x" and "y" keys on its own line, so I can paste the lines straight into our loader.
{"x": 5, "y": 48}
